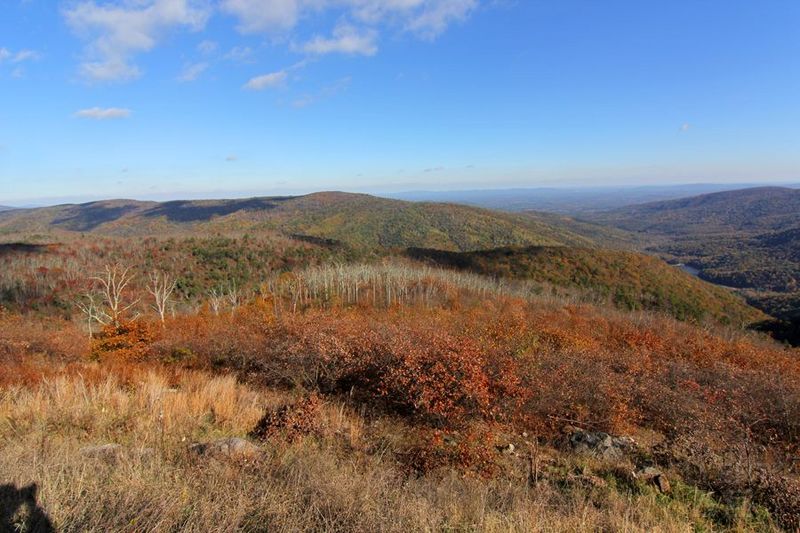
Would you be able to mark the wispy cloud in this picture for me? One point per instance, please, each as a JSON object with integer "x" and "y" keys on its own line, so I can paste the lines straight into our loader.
{"x": 326, "y": 92}
{"x": 192, "y": 71}
{"x": 116, "y": 32}
{"x": 19, "y": 56}
{"x": 266, "y": 81}
{"x": 103, "y": 113}
{"x": 240, "y": 54}
{"x": 207, "y": 47}
{"x": 258, "y": 16}
{"x": 686, "y": 126}
{"x": 435, "y": 17}
{"x": 425, "y": 18}
{"x": 346, "y": 39}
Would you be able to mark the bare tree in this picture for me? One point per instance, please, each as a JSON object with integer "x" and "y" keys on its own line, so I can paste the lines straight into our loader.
{"x": 93, "y": 312}
{"x": 160, "y": 288}
{"x": 234, "y": 297}
{"x": 112, "y": 290}
{"x": 215, "y": 299}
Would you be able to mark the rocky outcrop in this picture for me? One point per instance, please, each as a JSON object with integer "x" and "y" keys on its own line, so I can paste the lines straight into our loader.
{"x": 601, "y": 445}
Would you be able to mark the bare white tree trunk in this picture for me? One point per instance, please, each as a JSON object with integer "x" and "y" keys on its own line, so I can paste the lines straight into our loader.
{"x": 215, "y": 299}
{"x": 112, "y": 290}
{"x": 160, "y": 288}
{"x": 93, "y": 313}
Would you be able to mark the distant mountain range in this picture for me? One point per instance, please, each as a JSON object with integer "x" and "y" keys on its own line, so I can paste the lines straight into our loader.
{"x": 573, "y": 200}
{"x": 354, "y": 219}
{"x": 747, "y": 210}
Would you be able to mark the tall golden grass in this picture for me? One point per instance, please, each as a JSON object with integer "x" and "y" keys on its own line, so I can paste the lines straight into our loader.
{"x": 342, "y": 479}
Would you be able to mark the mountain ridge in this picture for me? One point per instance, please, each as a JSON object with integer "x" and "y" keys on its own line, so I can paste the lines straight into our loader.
{"x": 356, "y": 219}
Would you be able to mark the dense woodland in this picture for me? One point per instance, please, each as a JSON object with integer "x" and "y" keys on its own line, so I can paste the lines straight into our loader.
{"x": 378, "y": 386}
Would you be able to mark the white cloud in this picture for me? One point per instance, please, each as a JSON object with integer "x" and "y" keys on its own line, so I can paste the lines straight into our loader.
{"x": 192, "y": 71}
{"x": 259, "y": 83}
{"x": 265, "y": 15}
{"x": 119, "y": 30}
{"x": 101, "y": 113}
{"x": 207, "y": 47}
{"x": 686, "y": 126}
{"x": 20, "y": 56}
{"x": 434, "y": 18}
{"x": 116, "y": 31}
{"x": 240, "y": 54}
{"x": 426, "y": 18}
{"x": 25, "y": 55}
{"x": 346, "y": 39}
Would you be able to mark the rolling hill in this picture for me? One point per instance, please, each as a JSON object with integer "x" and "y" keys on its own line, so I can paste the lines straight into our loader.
{"x": 630, "y": 280}
{"x": 748, "y": 239}
{"x": 754, "y": 210}
{"x": 355, "y": 219}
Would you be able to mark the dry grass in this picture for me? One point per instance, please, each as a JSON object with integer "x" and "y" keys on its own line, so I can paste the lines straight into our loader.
{"x": 341, "y": 479}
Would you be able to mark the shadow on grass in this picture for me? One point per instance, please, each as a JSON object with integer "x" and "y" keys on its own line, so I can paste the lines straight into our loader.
{"x": 19, "y": 510}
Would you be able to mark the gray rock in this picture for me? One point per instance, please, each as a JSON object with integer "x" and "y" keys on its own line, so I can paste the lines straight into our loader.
{"x": 655, "y": 477}
{"x": 230, "y": 448}
{"x": 601, "y": 445}
{"x": 106, "y": 452}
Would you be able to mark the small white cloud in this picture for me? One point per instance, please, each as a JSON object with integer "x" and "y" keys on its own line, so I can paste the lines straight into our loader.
{"x": 437, "y": 15}
{"x": 110, "y": 70}
{"x": 192, "y": 71}
{"x": 264, "y": 15}
{"x": 101, "y": 113}
{"x": 207, "y": 47}
{"x": 26, "y": 55}
{"x": 686, "y": 126}
{"x": 259, "y": 83}
{"x": 18, "y": 57}
{"x": 240, "y": 54}
{"x": 346, "y": 39}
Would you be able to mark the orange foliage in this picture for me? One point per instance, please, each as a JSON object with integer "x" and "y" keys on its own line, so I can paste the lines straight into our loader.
{"x": 126, "y": 341}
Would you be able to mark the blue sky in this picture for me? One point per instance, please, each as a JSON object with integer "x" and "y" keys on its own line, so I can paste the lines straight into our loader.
{"x": 185, "y": 98}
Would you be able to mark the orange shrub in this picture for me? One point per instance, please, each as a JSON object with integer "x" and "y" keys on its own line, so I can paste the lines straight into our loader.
{"x": 126, "y": 341}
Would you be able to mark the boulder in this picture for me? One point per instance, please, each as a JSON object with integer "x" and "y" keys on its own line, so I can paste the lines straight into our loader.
{"x": 655, "y": 477}
{"x": 601, "y": 445}
{"x": 231, "y": 448}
